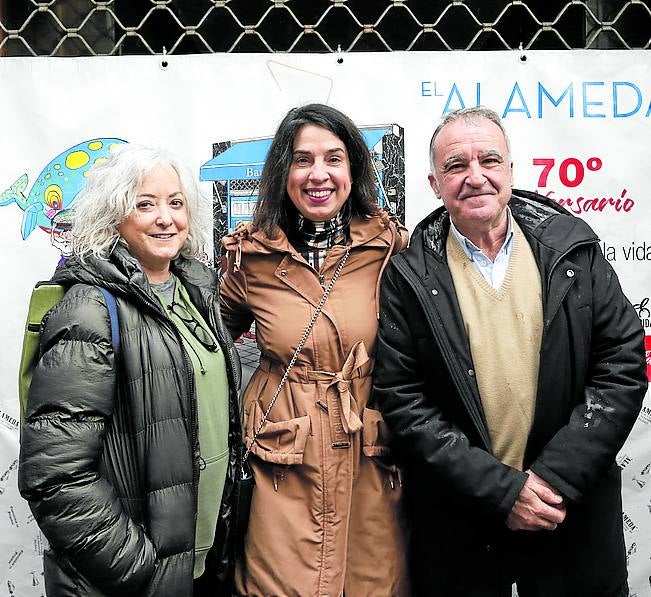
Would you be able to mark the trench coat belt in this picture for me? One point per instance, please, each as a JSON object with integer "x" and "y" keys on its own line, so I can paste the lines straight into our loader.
{"x": 342, "y": 408}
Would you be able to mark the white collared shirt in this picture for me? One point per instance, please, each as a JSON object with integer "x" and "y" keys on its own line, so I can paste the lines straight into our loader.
{"x": 493, "y": 271}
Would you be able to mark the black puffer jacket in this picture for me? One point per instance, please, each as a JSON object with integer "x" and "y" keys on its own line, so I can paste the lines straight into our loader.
{"x": 110, "y": 456}
{"x": 591, "y": 384}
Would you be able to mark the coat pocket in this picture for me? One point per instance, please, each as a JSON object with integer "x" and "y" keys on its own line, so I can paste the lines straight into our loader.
{"x": 375, "y": 445}
{"x": 375, "y": 434}
{"x": 279, "y": 442}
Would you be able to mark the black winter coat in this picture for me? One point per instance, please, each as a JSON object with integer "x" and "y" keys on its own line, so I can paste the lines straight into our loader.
{"x": 591, "y": 384}
{"x": 110, "y": 456}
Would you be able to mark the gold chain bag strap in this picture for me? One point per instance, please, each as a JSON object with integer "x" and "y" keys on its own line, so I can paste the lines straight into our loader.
{"x": 292, "y": 361}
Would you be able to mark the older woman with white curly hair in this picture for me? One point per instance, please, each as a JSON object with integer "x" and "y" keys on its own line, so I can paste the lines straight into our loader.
{"x": 129, "y": 460}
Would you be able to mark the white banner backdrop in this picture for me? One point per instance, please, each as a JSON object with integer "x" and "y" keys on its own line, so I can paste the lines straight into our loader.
{"x": 579, "y": 123}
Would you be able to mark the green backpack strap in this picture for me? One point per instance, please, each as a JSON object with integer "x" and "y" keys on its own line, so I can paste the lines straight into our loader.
{"x": 45, "y": 296}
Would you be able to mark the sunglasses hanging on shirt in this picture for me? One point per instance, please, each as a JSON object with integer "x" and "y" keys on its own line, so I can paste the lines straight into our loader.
{"x": 194, "y": 327}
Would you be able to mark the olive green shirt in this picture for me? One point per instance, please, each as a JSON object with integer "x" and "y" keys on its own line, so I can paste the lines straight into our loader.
{"x": 211, "y": 385}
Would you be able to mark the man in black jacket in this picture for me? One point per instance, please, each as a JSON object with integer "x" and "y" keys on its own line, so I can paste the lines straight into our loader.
{"x": 510, "y": 370}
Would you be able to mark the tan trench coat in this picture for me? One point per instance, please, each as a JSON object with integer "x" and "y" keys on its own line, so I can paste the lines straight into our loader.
{"x": 326, "y": 512}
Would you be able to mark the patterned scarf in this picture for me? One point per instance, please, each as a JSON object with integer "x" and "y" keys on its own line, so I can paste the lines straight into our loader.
{"x": 314, "y": 239}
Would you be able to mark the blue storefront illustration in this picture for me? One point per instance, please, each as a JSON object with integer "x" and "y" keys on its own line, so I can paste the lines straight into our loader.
{"x": 236, "y": 167}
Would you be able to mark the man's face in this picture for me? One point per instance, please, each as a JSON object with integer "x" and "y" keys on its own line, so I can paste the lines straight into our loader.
{"x": 473, "y": 174}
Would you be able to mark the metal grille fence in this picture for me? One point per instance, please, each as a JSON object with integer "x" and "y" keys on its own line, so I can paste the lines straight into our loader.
{"x": 120, "y": 27}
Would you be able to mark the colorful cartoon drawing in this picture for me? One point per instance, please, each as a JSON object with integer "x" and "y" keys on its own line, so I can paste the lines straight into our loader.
{"x": 57, "y": 186}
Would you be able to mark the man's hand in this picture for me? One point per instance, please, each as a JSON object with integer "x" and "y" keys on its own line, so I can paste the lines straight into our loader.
{"x": 538, "y": 507}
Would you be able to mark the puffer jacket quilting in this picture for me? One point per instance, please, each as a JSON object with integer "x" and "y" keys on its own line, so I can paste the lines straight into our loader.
{"x": 110, "y": 456}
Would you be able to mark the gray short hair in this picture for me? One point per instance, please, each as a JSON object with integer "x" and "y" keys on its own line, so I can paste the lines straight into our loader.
{"x": 472, "y": 115}
{"x": 110, "y": 196}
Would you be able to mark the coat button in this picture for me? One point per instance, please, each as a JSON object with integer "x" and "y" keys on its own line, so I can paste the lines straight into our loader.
{"x": 570, "y": 273}
{"x": 283, "y": 272}
{"x": 471, "y": 372}
{"x": 434, "y": 291}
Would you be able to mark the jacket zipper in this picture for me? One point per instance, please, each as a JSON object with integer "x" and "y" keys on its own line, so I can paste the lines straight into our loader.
{"x": 194, "y": 422}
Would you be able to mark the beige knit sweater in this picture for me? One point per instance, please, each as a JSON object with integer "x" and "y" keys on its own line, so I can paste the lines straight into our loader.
{"x": 504, "y": 328}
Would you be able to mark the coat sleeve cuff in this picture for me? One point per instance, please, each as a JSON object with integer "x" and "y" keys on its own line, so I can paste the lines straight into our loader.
{"x": 557, "y": 482}
{"x": 506, "y": 505}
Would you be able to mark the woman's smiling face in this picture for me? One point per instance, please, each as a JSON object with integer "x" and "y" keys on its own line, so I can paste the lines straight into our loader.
{"x": 157, "y": 228}
{"x": 319, "y": 178}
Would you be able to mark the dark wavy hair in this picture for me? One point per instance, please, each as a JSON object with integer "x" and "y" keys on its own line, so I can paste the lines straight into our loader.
{"x": 274, "y": 207}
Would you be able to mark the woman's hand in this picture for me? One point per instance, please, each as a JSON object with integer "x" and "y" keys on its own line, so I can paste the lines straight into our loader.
{"x": 229, "y": 242}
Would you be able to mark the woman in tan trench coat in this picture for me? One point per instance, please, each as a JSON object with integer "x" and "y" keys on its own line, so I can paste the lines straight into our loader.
{"x": 326, "y": 511}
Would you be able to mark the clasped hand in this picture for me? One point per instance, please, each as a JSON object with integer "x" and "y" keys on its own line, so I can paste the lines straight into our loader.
{"x": 538, "y": 507}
